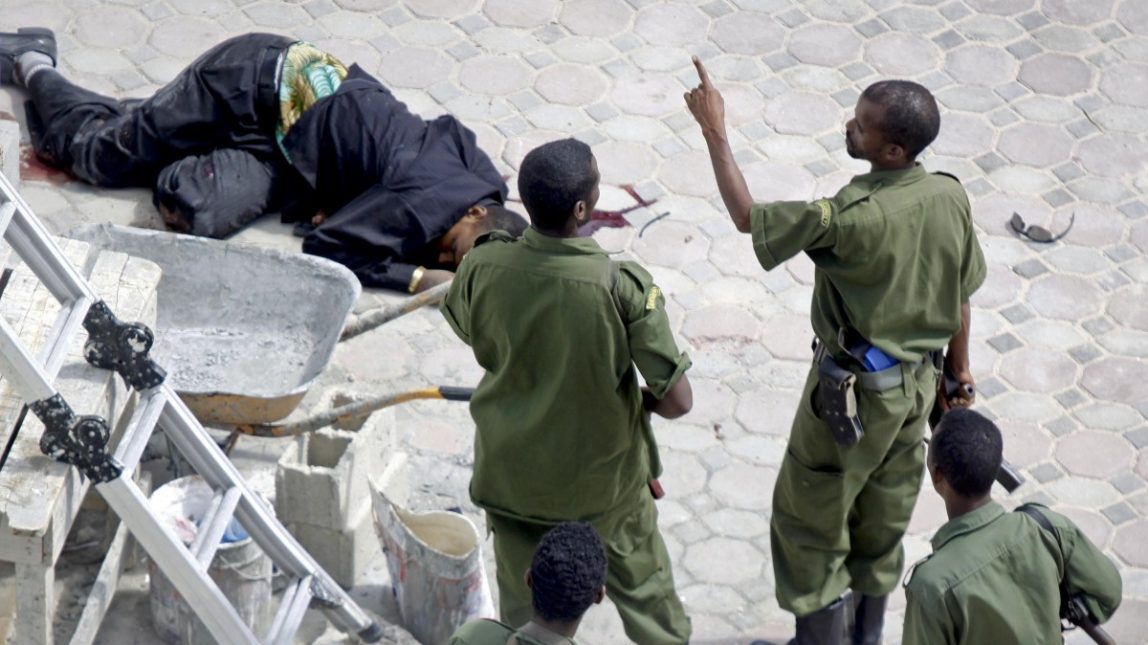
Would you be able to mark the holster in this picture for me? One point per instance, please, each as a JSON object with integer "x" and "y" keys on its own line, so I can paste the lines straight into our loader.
{"x": 837, "y": 401}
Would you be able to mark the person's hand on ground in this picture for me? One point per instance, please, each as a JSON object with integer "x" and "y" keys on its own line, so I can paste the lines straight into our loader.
{"x": 433, "y": 278}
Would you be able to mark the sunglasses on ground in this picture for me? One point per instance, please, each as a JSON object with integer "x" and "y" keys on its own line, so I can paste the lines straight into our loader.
{"x": 1038, "y": 233}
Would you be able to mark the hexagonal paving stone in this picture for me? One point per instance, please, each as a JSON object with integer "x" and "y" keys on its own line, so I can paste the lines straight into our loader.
{"x": 801, "y": 113}
{"x": 743, "y": 486}
{"x": 277, "y": 14}
{"x": 899, "y": 54}
{"x": 627, "y": 127}
{"x": 964, "y": 135}
{"x": 747, "y": 32}
{"x": 768, "y": 410}
{"x": 1094, "y": 525}
{"x": 1142, "y": 465}
{"x": 724, "y": 560}
{"x": 986, "y": 28}
{"x": 769, "y": 181}
{"x": 824, "y": 44}
{"x": 448, "y": 9}
{"x": 1130, "y": 544}
{"x": 571, "y": 84}
{"x": 1094, "y": 454}
{"x": 649, "y": 95}
{"x": 788, "y": 336}
{"x": 981, "y": 65}
{"x": 426, "y": 33}
{"x": 583, "y": 49}
{"x": 1116, "y": 378}
{"x": 625, "y": 162}
{"x": 1024, "y": 443}
{"x": 1077, "y": 13}
{"x": 714, "y": 402}
{"x": 1130, "y": 307}
{"x": 1001, "y": 7}
{"x": 186, "y": 38}
{"x": 733, "y": 523}
{"x": 596, "y": 17}
{"x": 846, "y": 11}
{"x": 494, "y": 75}
{"x": 689, "y": 173}
{"x": 110, "y": 27}
{"x": 1000, "y": 288}
{"x": 202, "y": 7}
{"x": 1035, "y": 144}
{"x": 682, "y": 473}
{"x": 1058, "y": 74}
{"x": 721, "y": 323}
{"x": 1134, "y": 16}
{"x": 521, "y": 13}
{"x": 670, "y": 24}
{"x": 671, "y": 244}
{"x": 365, "y": 5}
{"x": 1064, "y": 297}
{"x": 415, "y": 67}
{"x": 1059, "y": 38}
{"x": 1111, "y": 155}
{"x": 1126, "y": 83}
{"x": 918, "y": 20}
{"x": 1038, "y": 370}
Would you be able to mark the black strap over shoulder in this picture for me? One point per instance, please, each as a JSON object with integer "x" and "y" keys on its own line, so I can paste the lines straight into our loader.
{"x": 949, "y": 175}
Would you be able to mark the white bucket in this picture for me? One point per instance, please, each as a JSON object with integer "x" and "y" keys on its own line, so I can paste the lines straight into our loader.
{"x": 435, "y": 562}
{"x": 240, "y": 569}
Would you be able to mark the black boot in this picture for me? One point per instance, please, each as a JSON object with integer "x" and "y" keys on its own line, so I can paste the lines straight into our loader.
{"x": 26, "y": 39}
{"x": 827, "y": 626}
{"x": 869, "y": 619}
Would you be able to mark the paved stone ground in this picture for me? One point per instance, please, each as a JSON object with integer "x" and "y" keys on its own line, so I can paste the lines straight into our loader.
{"x": 1044, "y": 106}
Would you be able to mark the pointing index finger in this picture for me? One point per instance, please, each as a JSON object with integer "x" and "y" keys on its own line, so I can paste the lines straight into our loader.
{"x": 702, "y": 74}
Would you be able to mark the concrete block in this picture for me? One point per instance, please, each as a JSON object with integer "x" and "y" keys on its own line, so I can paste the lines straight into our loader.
{"x": 321, "y": 479}
{"x": 10, "y": 152}
{"x": 343, "y": 552}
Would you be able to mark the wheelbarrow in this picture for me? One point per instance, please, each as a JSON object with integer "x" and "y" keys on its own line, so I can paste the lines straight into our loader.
{"x": 244, "y": 332}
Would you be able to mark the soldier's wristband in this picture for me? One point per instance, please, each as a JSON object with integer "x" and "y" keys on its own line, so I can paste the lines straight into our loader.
{"x": 416, "y": 278}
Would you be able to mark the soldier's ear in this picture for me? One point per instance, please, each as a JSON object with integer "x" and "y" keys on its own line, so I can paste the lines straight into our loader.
{"x": 600, "y": 596}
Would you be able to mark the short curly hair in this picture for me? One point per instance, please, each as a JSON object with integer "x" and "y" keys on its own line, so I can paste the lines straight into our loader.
{"x": 568, "y": 571}
{"x": 553, "y": 178}
{"x": 912, "y": 119}
{"x": 967, "y": 448}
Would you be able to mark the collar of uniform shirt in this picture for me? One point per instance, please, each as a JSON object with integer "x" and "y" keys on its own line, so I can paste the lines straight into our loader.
{"x": 966, "y": 523}
{"x": 570, "y": 245}
{"x": 890, "y": 177}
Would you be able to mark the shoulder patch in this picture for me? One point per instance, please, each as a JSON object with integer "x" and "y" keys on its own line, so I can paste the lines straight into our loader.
{"x": 949, "y": 175}
{"x": 826, "y": 211}
{"x": 652, "y": 298}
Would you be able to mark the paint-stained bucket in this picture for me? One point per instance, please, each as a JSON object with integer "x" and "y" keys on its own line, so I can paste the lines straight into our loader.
{"x": 240, "y": 568}
{"x": 435, "y": 562}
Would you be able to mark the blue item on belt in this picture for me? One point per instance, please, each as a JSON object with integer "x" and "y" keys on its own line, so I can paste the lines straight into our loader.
{"x": 877, "y": 360}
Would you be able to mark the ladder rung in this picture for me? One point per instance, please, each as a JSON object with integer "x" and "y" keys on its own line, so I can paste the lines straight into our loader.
{"x": 296, "y": 599}
{"x": 214, "y": 524}
{"x": 139, "y": 429}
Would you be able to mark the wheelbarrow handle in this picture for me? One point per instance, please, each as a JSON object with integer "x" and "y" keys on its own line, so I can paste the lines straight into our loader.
{"x": 352, "y": 411}
{"x": 368, "y": 320}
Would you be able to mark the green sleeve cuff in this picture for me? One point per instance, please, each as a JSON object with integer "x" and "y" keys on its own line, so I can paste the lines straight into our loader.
{"x": 757, "y": 231}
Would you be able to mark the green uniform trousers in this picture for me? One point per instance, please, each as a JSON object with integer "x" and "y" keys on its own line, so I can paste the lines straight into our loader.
{"x": 839, "y": 512}
{"x": 640, "y": 580}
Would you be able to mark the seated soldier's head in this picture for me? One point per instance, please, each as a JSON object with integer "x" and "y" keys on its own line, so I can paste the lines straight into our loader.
{"x": 892, "y": 123}
{"x": 567, "y": 575}
{"x": 558, "y": 183}
{"x": 965, "y": 455}
{"x": 479, "y": 219}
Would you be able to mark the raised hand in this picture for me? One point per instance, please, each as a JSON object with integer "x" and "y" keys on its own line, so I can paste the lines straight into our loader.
{"x": 706, "y": 103}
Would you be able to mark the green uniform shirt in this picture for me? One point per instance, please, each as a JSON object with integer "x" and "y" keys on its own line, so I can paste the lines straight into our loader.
{"x": 492, "y": 632}
{"x": 559, "y": 329}
{"x": 895, "y": 253}
{"x": 994, "y": 577}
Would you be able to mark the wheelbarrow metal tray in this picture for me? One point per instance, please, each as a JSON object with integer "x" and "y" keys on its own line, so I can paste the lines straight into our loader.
{"x": 242, "y": 331}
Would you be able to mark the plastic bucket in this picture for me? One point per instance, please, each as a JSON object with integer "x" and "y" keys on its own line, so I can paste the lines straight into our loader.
{"x": 435, "y": 562}
{"x": 240, "y": 569}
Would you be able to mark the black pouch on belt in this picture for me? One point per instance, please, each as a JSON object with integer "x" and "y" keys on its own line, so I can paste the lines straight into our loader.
{"x": 837, "y": 401}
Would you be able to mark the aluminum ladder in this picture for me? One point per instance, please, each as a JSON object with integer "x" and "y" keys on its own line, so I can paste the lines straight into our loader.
{"x": 81, "y": 441}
